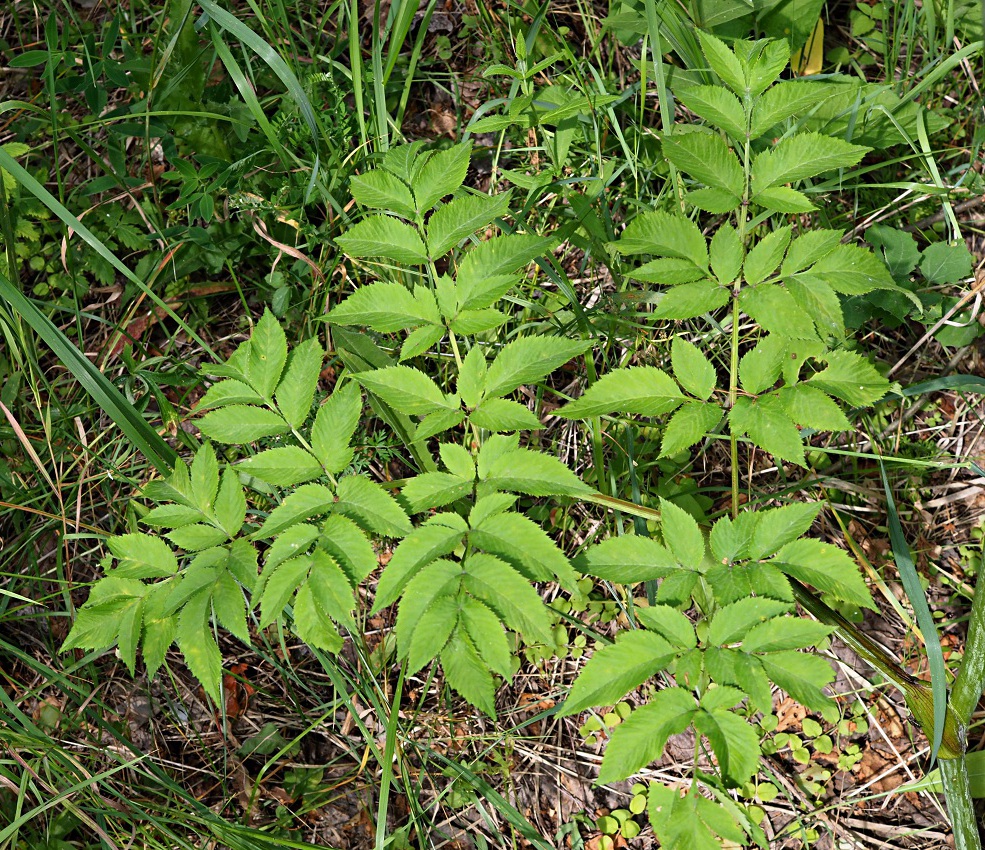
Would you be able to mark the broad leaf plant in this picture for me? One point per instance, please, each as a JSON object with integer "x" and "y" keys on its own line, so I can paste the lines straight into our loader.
{"x": 290, "y": 532}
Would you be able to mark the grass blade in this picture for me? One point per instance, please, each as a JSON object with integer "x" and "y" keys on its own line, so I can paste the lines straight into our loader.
{"x": 102, "y": 390}
{"x": 911, "y": 584}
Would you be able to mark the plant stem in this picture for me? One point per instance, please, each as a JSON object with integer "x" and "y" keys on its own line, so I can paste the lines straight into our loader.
{"x": 960, "y": 807}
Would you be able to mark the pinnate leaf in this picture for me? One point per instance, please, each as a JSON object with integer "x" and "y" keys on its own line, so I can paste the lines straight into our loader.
{"x": 719, "y": 107}
{"x": 641, "y": 738}
{"x": 335, "y": 423}
{"x": 443, "y": 173}
{"x": 690, "y": 300}
{"x": 306, "y": 501}
{"x": 385, "y": 237}
{"x": 283, "y": 467}
{"x": 638, "y": 389}
{"x": 405, "y": 389}
{"x": 765, "y": 422}
{"x": 371, "y": 506}
{"x": 384, "y": 307}
{"x": 688, "y": 425}
{"x": 664, "y": 235}
{"x": 615, "y": 670}
{"x": 528, "y": 360}
{"x": 296, "y": 391}
{"x": 692, "y": 369}
{"x": 778, "y": 526}
{"x": 380, "y": 190}
{"x": 416, "y": 550}
{"x": 707, "y": 158}
{"x": 534, "y": 473}
{"x": 852, "y": 378}
{"x": 268, "y": 354}
{"x": 200, "y": 651}
{"x": 141, "y": 556}
{"x": 461, "y": 217}
{"x": 627, "y": 560}
{"x": 239, "y": 424}
{"x": 826, "y": 567}
{"x": 468, "y": 674}
{"x": 800, "y": 156}
{"x": 734, "y": 741}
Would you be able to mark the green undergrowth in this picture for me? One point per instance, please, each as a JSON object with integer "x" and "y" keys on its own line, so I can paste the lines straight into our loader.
{"x": 573, "y": 395}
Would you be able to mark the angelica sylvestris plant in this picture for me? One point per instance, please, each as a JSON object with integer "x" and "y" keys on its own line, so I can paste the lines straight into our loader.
{"x": 746, "y": 167}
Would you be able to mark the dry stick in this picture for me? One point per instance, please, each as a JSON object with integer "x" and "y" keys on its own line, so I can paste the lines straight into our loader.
{"x": 971, "y": 293}
{"x": 931, "y": 220}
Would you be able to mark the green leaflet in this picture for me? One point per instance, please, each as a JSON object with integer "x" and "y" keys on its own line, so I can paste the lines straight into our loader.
{"x": 639, "y": 389}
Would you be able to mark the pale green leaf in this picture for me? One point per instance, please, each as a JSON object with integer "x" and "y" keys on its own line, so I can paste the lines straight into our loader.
{"x": 289, "y": 543}
{"x": 371, "y": 507}
{"x": 502, "y": 415}
{"x": 767, "y": 424}
{"x": 734, "y": 741}
{"x": 239, "y": 424}
{"x": 204, "y": 480}
{"x": 669, "y": 623}
{"x": 850, "y": 270}
{"x": 820, "y": 302}
{"x": 776, "y": 311}
{"x": 523, "y": 544}
{"x": 783, "y": 199}
{"x": 487, "y": 635}
{"x": 668, "y": 271}
{"x": 296, "y": 391}
{"x": 811, "y": 408}
{"x": 198, "y": 646}
{"x": 488, "y": 270}
{"x": 347, "y": 543}
{"x": 385, "y": 237}
{"x": 472, "y": 377}
{"x": 615, "y": 670}
{"x": 641, "y": 738}
{"x": 638, "y": 389}
{"x": 719, "y": 107}
{"x": 380, "y": 190}
{"x": 142, "y": 556}
{"x": 405, "y": 389}
{"x": 715, "y": 201}
{"x": 385, "y": 307}
{"x": 800, "y": 156}
{"x": 766, "y": 59}
{"x": 330, "y": 587}
{"x": 689, "y": 425}
{"x": 760, "y": 367}
{"x": 801, "y": 676}
{"x": 435, "y": 490}
{"x": 730, "y": 539}
{"x": 827, "y": 568}
{"x": 731, "y": 582}
{"x": 438, "y": 422}
{"x": 778, "y": 526}
{"x": 306, "y": 501}
{"x": 627, "y": 560}
{"x": 420, "y": 340}
{"x": 690, "y": 300}
{"x": 707, "y": 158}
{"x": 335, "y": 423}
{"x": 458, "y": 460}
{"x": 726, "y": 253}
{"x": 268, "y": 354}
{"x": 509, "y": 594}
{"x": 280, "y": 586}
{"x": 431, "y": 632}
{"x": 472, "y": 322}
{"x": 242, "y": 562}
{"x": 852, "y": 378}
{"x": 438, "y": 578}
{"x": 534, "y": 473}
{"x": 171, "y": 516}
{"x": 131, "y": 621}
{"x": 723, "y": 62}
{"x": 420, "y": 547}
{"x": 194, "y": 538}
{"x": 664, "y": 235}
{"x": 731, "y": 622}
{"x": 283, "y": 467}
{"x": 529, "y": 360}
{"x": 784, "y": 633}
{"x": 682, "y": 535}
{"x": 404, "y": 161}
{"x": 461, "y": 217}
{"x": 767, "y": 254}
{"x": 467, "y": 673}
{"x": 692, "y": 369}
{"x": 733, "y": 667}
{"x": 229, "y": 605}
{"x": 229, "y": 391}
{"x": 443, "y": 173}
{"x": 230, "y": 504}
{"x": 494, "y": 448}
{"x": 785, "y": 100}
{"x": 312, "y": 624}
{"x": 808, "y": 248}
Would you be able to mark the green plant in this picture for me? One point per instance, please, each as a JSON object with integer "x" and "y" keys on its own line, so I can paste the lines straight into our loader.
{"x": 290, "y": 491}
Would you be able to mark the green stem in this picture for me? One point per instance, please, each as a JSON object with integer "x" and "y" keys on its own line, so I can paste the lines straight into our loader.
{"x": 970, "y": 682}
{"x": 960, "y": 807}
